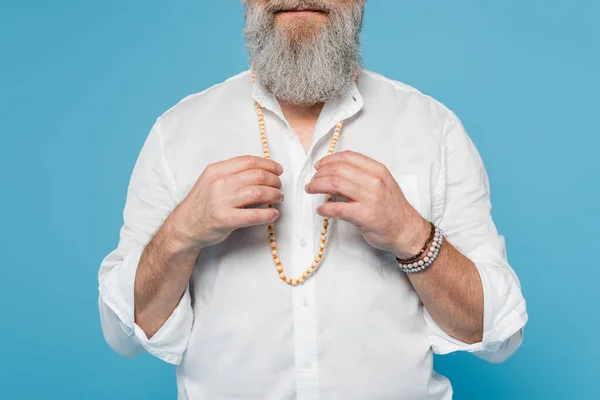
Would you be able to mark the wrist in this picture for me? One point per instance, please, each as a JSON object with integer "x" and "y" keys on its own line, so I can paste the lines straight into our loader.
{"x": 176, "y": 241}
{"x": 413, "y": 241}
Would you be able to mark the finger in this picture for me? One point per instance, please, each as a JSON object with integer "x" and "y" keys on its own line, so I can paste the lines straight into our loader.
{"x": 350, "y": 172}
{"x": 257, "y": 176}
{"x": 252, "y": 217}
{"x": 255, "y": 195}
{"x": 244, "y": 163}
{"x": 349, "y": 212}
{"x": 335, "y": 185}
{"x": 360, "y": 160}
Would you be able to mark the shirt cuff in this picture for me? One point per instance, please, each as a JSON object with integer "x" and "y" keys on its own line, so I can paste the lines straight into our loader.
{"x": 505, "y": 313}
{"x": 117, "y": 292}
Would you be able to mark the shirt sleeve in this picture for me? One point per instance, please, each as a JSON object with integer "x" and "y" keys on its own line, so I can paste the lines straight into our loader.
{"x": 151, "y": 196}
{"x": 462, "y": 209}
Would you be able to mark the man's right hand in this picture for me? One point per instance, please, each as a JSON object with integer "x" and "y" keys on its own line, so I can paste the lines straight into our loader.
{"x": 217, "y": 203}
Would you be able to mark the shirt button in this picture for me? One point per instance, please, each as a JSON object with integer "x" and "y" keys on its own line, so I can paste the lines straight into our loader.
{"x": 303, "y": 242}
{"x": 304, "y": 303}
{"x": 307, "y": 365}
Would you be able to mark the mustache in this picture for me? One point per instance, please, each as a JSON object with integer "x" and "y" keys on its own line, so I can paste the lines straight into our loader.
{"x": 276, "y": 6}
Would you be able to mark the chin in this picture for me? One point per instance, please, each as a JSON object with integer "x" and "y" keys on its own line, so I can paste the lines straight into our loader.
{"x": 301, "y": 29}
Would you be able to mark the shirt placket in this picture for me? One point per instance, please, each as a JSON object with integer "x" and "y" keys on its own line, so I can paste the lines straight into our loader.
{"x": 306, "y": 230}
{"x": 304, "y": 233}
{"x": 305, "y": 313}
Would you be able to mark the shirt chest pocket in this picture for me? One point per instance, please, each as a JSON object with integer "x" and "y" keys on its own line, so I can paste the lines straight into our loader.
{"x": 349, "y": 240}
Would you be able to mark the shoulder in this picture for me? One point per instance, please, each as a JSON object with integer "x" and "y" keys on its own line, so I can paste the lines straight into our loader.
{"x": 402, "y": 98}
{"x": 198, "y": 105}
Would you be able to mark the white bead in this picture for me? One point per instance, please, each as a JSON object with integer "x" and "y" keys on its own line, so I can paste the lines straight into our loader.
{"x": 281, "y": 275}
{"x": 421, "y": 263}
{"x": 432, "y": 248}
{"x": 426, "y": 258}
{"x": 430, "y": 254}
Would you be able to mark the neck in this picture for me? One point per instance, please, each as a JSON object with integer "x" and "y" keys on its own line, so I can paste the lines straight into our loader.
{"x": 302, "y": 119}
{"x": 295, "y": 111}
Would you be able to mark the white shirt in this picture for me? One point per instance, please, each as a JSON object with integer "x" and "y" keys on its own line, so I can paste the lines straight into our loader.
{"x": 356, "y": 329}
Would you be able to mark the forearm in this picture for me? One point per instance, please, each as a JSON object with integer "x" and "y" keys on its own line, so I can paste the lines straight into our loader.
{"x": 162, "y": 277}
{"x": 452, "y": 293}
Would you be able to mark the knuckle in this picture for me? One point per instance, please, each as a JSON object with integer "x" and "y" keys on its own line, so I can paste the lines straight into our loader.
{"x": 338, "y": 210}
{"x": 211, "y": 168}
{"x": 253, "y": 216}
{"x": 260, "y": 175}
{"x": 256, "y": 192}
{"x": 249, "y": 160}
{"x": 218, "y": 183}
{"x": 377, "y": 182}
{"x": 219, "y": 180}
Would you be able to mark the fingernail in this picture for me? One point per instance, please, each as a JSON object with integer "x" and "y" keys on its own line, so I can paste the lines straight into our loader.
{"x": 317, "y": 164}
{"x": 280, "y": 168}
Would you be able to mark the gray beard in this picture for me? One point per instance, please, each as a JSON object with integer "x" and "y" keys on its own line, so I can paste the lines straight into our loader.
{"x": 310, "y": 71}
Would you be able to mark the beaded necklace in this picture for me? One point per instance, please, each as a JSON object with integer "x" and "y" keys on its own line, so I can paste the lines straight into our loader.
{"x": 271, "y": 227}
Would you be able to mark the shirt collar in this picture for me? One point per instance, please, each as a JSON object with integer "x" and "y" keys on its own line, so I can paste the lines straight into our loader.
{"x": 266, "y": 99}
{"x": 334, "y": 110}
{"x": 340, "y": 108}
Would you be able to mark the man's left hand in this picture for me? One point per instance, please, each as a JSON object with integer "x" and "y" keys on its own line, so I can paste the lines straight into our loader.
{"x": 376, "y": 204}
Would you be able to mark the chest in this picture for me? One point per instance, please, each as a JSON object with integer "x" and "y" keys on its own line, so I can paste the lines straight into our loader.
{"x": 410, "y": 150}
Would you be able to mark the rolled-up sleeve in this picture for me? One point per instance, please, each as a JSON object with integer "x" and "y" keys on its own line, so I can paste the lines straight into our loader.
{"x": 462, "y": 208}
{"x": 151, "y": 196}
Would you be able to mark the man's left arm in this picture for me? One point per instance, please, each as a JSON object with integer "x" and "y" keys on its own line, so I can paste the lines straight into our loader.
{"x": 471, "y": 279}
{"x": 471, "y": 296}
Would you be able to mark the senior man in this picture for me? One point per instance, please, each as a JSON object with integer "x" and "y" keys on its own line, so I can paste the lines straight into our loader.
{"x": 309, "y": 229}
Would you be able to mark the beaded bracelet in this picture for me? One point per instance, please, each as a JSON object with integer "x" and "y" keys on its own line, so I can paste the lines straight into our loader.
{"x": 429, "y": 258}
{"x": 425, "y": 247}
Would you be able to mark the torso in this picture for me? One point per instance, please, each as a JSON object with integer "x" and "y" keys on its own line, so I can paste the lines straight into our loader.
{"x": 355, "y": 330}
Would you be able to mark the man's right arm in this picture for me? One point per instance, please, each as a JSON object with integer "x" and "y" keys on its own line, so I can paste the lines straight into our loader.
{"x": 151, "y": 197}
{"x": 144, "y": 294}
{"x": 163, "y": 274}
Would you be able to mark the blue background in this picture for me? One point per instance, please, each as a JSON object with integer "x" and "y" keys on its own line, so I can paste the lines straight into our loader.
{"x": 82, "y": 82}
